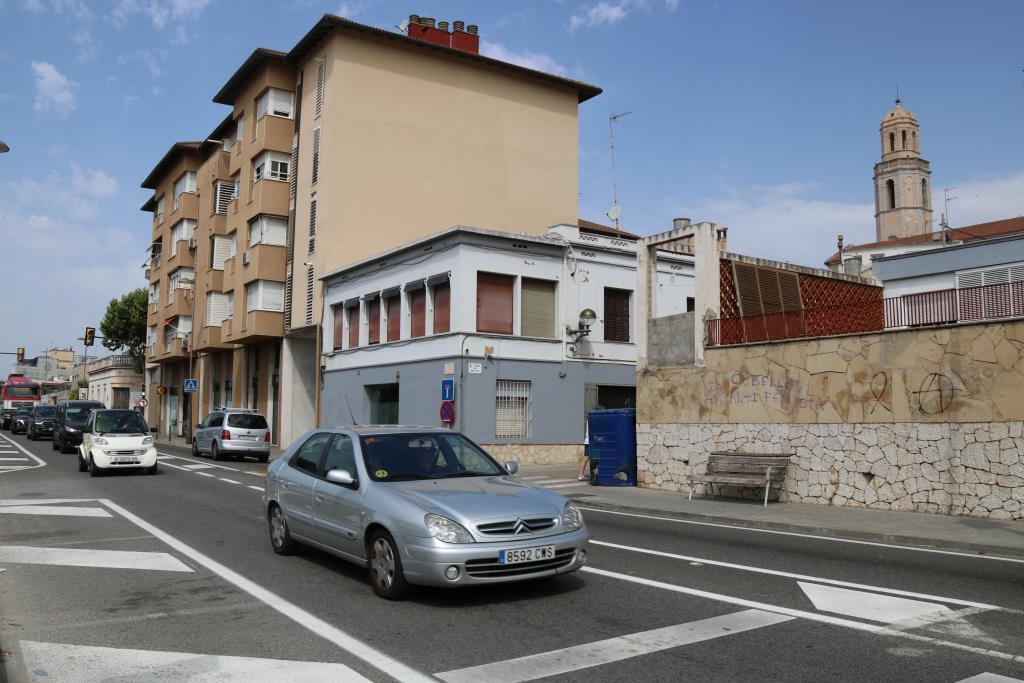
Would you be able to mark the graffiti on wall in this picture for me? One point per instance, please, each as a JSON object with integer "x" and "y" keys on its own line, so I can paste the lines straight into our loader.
{"x": 741, "y": 389}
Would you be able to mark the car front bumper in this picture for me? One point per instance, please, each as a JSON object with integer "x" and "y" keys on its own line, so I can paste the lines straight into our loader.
{"x": 105, "y": 460}
{"x": 69, "y": 438}
{"x": 43, "y": 429}
{"x": 425, "y": 560}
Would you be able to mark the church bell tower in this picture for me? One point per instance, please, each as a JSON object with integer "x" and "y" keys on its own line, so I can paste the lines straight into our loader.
{"x": 903, "y": 195}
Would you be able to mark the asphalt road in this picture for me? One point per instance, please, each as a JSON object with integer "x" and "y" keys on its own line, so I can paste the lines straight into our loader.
{"x": 195, "y": 591}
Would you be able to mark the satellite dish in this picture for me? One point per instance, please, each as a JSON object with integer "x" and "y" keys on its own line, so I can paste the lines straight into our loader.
{"x": 404, "y": 26}
{"x": 614, "y": 213}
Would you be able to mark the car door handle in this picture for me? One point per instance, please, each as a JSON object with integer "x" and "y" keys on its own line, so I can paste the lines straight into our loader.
{"x": 286, "y": 484}
{"x": 319, "y": 499}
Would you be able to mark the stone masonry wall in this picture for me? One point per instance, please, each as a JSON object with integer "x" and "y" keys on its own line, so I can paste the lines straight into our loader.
{"x": 535, "y": 454}
{"x": 924, "y": 419}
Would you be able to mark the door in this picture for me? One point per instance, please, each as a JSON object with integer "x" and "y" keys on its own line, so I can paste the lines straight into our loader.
{"x": 338, "y": 514}
{"x": 213, "y": 428}
{"x": 172, "y": 419}
{"x": 296, "y": 480}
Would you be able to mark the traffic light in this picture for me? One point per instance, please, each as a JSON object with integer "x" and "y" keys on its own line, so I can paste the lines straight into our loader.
{"x": 21, "y": 354}
{"x": 90, "y": 336}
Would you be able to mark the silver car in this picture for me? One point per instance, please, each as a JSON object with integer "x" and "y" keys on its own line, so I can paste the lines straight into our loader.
{"x": 418, "y": 505}
{"x": 233, "y": 432}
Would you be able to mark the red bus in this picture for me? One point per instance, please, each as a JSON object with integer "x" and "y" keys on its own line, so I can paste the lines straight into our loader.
{"x": 17, "y": 392}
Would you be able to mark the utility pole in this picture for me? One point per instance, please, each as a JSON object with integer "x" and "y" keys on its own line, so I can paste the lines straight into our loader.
{"x": 615, "y": 211}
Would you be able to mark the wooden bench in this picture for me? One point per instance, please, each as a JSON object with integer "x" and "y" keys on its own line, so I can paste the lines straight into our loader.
{"x": 744, "y": 469}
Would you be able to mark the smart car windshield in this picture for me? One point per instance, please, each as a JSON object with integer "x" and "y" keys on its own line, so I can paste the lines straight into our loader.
{"x": 120, "y": 422}
{"x": 405, "y": 457}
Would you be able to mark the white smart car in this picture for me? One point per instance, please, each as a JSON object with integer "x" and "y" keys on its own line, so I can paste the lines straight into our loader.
{"x": 116, "y": 439}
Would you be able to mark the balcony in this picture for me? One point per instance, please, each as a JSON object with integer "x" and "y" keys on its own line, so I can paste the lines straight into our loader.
{"x": 268, "y": 196}
{"x": 188, "y": 207}
{"x": 118, "y": 362}
{"x": 174, "y": 350}
{"x": 213, "y": 281}
{"x": 180, "y": 304}
{"x": 182, "y": 257}
{"x": 209, "y": 339}
{"x": 253, "y": 326}
{"x": 266, "y": 262}
{"x": 273, "y": 133}
{"x": 941, "y": 307}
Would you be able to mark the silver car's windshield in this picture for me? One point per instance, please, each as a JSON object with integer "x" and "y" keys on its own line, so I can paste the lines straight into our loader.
{"x": 404, "y": 457}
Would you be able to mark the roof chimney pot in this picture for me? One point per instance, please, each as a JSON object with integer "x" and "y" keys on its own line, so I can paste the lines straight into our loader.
{"x": 428, "y": 21}
{"x": 459, "y": 26}
{"x": 443, "y": 25}
{"x": 472, "y": 29}
{"x": 414, "y": 19}
{"x": 678, "y": 223}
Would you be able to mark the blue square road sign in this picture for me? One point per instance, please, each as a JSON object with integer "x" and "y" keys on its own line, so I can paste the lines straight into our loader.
{"x": 190, "y": 386}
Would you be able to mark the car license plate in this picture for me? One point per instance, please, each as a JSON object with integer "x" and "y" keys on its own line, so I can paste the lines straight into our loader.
{"x": 123, "y": 458}
{"x": 520, "y": 555}
{"x": 246, "y": 437}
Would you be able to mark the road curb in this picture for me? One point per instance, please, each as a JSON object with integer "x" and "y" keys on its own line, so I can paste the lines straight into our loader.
{"x": 810, "y": 529}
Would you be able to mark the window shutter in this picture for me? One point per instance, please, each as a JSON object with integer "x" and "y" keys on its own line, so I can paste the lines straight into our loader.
{"x": 789, "y": 285}
{"x": 298, "y": 105}
{"x": 295, "y": 167}
{"x": 220, "y": 251}
{"x": 442, "y": 308}
{"x": 494, "y": 303}
{"x": 223, "y": 193}
{"x": 616, "y": 314}
{"x": 216, "y": 308}
{"x": 316, "y": 155}
{"x": 538, "y": 308}
{"x": 338, "y": 312}
{"x": 418, "y": 309}
{"x": 273, "y": 295}
{"x": 747, "y": 289}
{"x": 288, "y": 287}
{"x": 353, "y": 326}
{"x": 321, "y": 65}
{"x": 312, "y": 223}
{"x": 373, "y": 317}
{"x": 764, "y": 290}
{"x": 309, "y": 295}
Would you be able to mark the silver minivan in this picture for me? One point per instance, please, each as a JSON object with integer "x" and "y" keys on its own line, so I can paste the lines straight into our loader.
{"x": 233, "y": 432}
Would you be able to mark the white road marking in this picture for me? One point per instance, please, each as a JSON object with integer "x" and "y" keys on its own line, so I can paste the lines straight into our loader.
{"x": 6, "y": 468}
{"x": 565, "y": 486}
{"x": 314, "y": 624}
{"x": 885, "y": 608}
{"x": 43, "y": 501}
{"x": 13, "y": 459}
{"x": 53, "y": 510}
{"x": 542, "y": 480}
{"x": 799, "y": 577}
{"x": 88, "y": 557}
{"x": 59, "y": 661}
{"x": 949, "y": 624}
{"x": 230, "y": 481}
{"x": 990, "y": 678}
{"x": 201, "y": 466}
{"x": 256, "y": 488}
{"x": 182, "y": 457}
{"x": 811, "y": 616}
{"x": 803, "y": 535}
{"x": 204, "y": 474}
{"x": 612, "y": 650}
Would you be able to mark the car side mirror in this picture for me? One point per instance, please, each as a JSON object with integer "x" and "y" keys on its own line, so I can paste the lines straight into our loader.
{"x": 511, "y": 467}
{"x": 341, "y": 477}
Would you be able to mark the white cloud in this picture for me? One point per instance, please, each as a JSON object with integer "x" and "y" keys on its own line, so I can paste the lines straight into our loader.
{"x": 92, "y": 182}
{"x": 54, "y": 91}
{"x": 609, "y": 13}
{"x": 350, "y": 9}
{"x": 161, "y": 13}
{"x": 87, "y": 46}
{"x": 129, "y": 100}
{"x": 34, "y": 5}
{"x": 152, "y": 58}
{"x": 157, "y": 91}
{"x": 531, "y": 60}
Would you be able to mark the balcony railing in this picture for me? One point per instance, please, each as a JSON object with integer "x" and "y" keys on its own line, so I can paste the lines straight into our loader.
{"x": 941, "y": 307}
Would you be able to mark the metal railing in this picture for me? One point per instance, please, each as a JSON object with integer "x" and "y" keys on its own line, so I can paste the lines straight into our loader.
{"x": 941, "y": 307}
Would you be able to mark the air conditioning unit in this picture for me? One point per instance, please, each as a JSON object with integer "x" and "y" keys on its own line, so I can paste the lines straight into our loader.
{"x": 191, "y": 242}
{"x": 245, "y": 257}
{"x": 147, "y": 273}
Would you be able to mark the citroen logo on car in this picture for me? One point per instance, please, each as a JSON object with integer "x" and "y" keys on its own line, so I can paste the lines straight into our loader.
{"x": 521, "y": 527}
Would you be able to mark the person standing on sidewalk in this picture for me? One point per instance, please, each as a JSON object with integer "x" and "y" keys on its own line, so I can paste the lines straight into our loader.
{"x": 585, "y": 459}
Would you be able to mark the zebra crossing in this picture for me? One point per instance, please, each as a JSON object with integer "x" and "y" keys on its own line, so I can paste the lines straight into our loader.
{"x": 554, "y": 482}
{"x": 15, "y": 457}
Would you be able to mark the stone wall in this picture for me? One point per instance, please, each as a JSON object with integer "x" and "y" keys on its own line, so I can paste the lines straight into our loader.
{"x": 535, "y": 454}
{"x": 928, "y": 420}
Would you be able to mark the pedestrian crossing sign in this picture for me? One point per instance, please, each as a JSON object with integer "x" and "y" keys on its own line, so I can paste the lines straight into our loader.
{"x": 190, "y": 386}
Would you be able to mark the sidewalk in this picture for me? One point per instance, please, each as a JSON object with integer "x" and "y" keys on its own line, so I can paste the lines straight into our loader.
{"x": 945, "y": 532}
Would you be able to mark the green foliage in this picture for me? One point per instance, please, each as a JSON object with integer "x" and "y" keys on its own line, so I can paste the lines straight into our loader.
{"x": 124, "y": 324}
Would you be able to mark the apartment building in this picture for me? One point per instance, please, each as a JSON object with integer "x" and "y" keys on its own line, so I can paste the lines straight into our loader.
{"x": 529, "y": 332}
{"x": 171, "y": 273}
{"x": 354, "y": 142}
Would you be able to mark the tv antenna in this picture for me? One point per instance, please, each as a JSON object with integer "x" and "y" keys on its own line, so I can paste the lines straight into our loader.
{"x": 946, "y": 200}
{"x": 615, "y": 211}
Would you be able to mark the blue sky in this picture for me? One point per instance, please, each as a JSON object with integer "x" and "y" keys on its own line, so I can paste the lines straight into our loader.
{"x": 762, "y": 116}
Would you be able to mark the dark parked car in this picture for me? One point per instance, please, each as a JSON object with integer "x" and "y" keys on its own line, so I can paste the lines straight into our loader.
{"x": 40, "y": 422}
{"x": 20, "y": 419}
{"x": 69, "y": 423}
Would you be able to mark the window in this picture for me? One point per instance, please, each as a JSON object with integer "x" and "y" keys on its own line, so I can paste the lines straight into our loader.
{"x": 151, "y": 335}
{"x": 180, "y": 278}
{"x": 186, "y": 183}
{"x": 266, "y": 229}
{"x": 616, "y": 314}
{"x": 160, "y": 210}
{"x": 240, "y": 128}
{"x": 890, "y": 188}
{"x": 926, "y": 201}
{"x": 275, "y": 102}
{"x": 182, "y": 230}
{"x": 271, "y": 165}
{"x": 231, "y": 303}
{"x": 316, "y": 155}
{"x": 373, "y": 318}
{"x": 154, "y": 293}
{"x": 233, "y": 245}
{"x": 338, "y": 312}
{"x": 892, "y": 142}
{"x": 307, "y": 458}
{"x": 494, "y": 302}
{"x": 237, "y": 181}
{"x": 341, "y": 455}
{"x": 220, "y": 251}
{"x": 442, "y": 307}
{"x": 353, "y": 326}
{"x": 216, "y": 308}
{"x": 321, "y": 66}
{"x": 512, "y": 409}
{"x": 903, "y": 142}
{"x": 691, "y": 304}
{"x": 383, "y": 404}
{"x": 312, "y": 222}
{"x": 264, "y": 295}
{"x": 393, "y": 310}
{"x": 537, "y": 303}
{"x": 418, "y": 312}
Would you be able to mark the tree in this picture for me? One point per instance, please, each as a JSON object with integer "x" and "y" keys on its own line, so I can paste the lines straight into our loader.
{"x": 124, "y": 325}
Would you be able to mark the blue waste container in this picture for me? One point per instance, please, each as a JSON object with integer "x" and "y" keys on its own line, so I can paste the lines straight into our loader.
{"x": 613, "y": 446}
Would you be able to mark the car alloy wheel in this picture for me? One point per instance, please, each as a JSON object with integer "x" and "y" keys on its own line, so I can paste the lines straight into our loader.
{"x": 280, "y": 538}
{"x": 386, "y": 574}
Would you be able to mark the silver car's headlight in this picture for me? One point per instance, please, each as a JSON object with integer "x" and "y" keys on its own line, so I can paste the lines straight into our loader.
{"x": 148, "y": 441}
{"x": 572, "y": 519}
{"x": 447, "y": 530}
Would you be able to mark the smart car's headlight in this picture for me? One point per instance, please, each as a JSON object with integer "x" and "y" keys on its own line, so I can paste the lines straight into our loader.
{"x": 148, "y": 441}
{"x": 99, "y": 441}
{"x": 571, "y": 518}
{"x": 444, "y": 529}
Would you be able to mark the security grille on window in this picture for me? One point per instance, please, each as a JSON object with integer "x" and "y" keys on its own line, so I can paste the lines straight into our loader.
{"x": 318, "y": 108}
{"x": 272, "y": 166}
{"x": 309, "y": 295}
{"x": 223, "y": 193}
{"x": 276, "y": 102}
{"x": 312, "y": 223}
{"x": 512, "y": 409}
